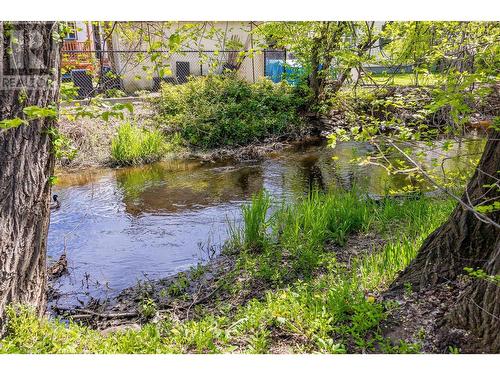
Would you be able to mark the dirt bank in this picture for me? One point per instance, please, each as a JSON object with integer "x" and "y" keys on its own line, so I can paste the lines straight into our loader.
{"x": 177, "y": 296}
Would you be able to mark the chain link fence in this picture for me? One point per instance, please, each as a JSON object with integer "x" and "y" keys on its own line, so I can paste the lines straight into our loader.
{"x": 128, "y": 73}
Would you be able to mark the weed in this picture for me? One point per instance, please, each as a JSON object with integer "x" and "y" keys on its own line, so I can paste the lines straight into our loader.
{"x": 454, "y": 350}
{"x": 163, "y": 294}
{"x": 408, "y": 289}
{"x": 147, "y": 308}
{"x": 179, "y": 286}
{"x": 402, "y": 347}
{"x": 134, "y": 145}
{"x": 197, "y": 271}
{"x": 259, "y": 342}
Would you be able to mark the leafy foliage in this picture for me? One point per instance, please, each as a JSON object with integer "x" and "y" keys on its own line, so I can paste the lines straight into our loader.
{"x": 12, "y": 123}
{"x": 463, "y": 57}
{"x": 481, "y": 274}
{"x": 326, "y": 50}
{"x": 217, "y": 111}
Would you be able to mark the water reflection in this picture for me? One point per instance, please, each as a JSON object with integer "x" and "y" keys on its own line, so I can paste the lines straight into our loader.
{"x": 160, "y": 188}
{"x": 119, "y": 226}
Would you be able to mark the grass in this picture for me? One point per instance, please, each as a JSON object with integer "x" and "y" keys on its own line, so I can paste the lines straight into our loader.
{"x": 312, "y": 302}
{"x": 405, "y": 79}
{"x": 255, "y": 222}
{"x": 134, "y": 145}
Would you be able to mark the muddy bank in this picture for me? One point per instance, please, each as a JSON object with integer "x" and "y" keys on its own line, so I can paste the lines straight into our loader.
{"x": 195, "y": 292}
{"x": 177, "y": 296}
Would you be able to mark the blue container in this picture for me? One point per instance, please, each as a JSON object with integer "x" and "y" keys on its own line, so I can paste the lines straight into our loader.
{"x": 277, "y": 71}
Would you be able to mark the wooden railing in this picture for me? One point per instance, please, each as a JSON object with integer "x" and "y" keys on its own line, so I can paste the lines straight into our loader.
{"x": 77, "y": 55}
{"x": 75, "y": 45}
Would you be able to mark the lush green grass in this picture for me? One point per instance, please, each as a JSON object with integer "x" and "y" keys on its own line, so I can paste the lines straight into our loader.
{"x": 223, "y": 110}
{"x": 297, "y": 234}
{"x": 404, "y": 79}
{"x": 255, "y": 222}
{"x": 313, "y": 303}
{"x": 135, "y": 145}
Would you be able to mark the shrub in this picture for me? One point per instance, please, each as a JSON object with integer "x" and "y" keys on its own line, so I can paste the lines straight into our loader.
{"x": 224, "y": 110}
{"x": 134, "y": 145}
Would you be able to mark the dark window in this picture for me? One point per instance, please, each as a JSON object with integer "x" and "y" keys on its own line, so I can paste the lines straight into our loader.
{"x": 72, "y": 33}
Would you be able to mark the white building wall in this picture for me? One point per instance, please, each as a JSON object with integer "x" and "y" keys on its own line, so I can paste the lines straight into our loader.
{"x": 82, "y": 32}
{"x": 136, "y": 75}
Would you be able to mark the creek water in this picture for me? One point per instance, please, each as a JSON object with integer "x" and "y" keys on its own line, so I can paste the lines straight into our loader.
{"x": 119, "y": 226}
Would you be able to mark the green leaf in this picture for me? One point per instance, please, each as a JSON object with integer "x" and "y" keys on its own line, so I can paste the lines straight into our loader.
{"x": 35, "y": 112}
{"x": 12, "y": 123}
{"x": 174, "y": 41}
{"x": 496, "y": 124}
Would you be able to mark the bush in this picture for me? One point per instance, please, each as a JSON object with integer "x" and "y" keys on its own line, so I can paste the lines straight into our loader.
{"x": 134, "y": 145}
{"x": 224, "y": 110}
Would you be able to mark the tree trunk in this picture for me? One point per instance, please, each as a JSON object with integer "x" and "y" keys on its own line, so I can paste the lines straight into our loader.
{"x": 465, "y": 241}
{"x": 314, "y": 79}
{"x": 26, "y": 163}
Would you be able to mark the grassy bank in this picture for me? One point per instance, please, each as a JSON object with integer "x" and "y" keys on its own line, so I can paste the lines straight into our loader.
{"x": 205, "y": 114}
{"x": 307, "y": 290}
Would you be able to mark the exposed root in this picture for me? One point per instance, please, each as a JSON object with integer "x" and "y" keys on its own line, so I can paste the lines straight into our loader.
{"x": 421, "y": 318}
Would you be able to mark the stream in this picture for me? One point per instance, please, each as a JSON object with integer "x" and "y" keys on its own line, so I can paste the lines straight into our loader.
{"x": 119, "y": 226}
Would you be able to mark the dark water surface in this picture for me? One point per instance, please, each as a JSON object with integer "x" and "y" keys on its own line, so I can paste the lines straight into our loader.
{"x": 119, "y": 226}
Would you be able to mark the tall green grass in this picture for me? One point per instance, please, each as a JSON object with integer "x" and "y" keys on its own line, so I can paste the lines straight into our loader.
{"x": 327, "y": 312}
{"x": 299, "y": 231}
{"x": 410, "y": 223}
{"x": 302, "y": 229}
{"x": 255, "y": 221}
{"x": 134, "y": 145}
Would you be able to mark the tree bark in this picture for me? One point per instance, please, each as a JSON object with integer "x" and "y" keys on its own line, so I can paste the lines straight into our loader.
{"x": 314, "y": 79}
{"x": 26, "y": 165}
{"x": 465, "y": 241}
